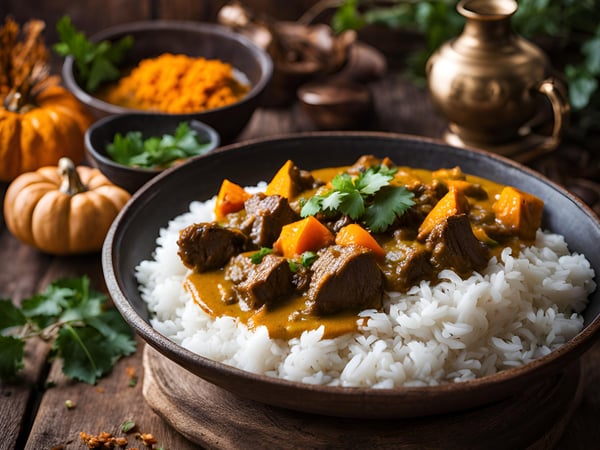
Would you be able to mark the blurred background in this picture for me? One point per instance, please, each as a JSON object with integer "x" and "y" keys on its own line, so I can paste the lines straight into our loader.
{"x": 406, "y": 32}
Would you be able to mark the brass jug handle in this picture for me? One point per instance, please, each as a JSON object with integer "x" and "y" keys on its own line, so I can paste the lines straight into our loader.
{"x": 556, "y": 93}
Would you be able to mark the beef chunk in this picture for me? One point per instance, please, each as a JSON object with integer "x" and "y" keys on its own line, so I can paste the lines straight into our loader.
{"x": 207, "y": 246}
{"x": 344, "y": 278}
{"x": 367, "y": 161}
{"x": 302, "y": 180}
{"x": 265, "y": 283}
{"x": 265, "y": 215}
{"x": 413, "y": 266}
{"x": 453, "y": 245}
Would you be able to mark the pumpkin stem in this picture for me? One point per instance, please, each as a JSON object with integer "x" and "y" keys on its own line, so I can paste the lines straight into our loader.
{"x": 71, "y": 183}
{"x": 24, "y": 65}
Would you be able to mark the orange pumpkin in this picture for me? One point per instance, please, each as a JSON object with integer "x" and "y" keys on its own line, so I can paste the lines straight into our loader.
{"x": 40, "y": 121}
{"x": 38, "y": 135}
{"x": 62, "y": 210}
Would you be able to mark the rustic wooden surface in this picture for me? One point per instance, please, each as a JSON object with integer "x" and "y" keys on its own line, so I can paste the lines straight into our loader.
{"x": 217, "y": 419}
{"x": 33, "y": 414}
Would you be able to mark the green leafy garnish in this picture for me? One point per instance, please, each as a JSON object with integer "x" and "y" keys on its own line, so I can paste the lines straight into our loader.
{"x": 127, "y": 426}
{"x": 307, "y": 258}
{"x": 88, "y": 337}
{"x": 368, "y": 198}
{"x": 96, "y": 63}
{"x": 135, "y": 151}
{"x": 257, "y": 257}
{"x": 294, "y": 267}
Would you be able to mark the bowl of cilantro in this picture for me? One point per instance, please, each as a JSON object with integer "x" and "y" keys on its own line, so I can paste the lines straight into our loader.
{"x": 130, "y": 149}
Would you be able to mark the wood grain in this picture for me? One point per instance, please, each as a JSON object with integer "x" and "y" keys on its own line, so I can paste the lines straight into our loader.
{"x": 214, "y": 418}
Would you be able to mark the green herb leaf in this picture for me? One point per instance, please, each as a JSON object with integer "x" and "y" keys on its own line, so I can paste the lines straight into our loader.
{"x": 88, "y": 337}
{"x": 368, "y": 197}
{"x": 127, "y": 426}
{"x": 96, "y": 63}
{"x": 11, "y": 356}
{"x": 10, "y": 315}
{"x": 133, "y": 150}
{"x": 388, "y": 203}
{"x": 257, "y": 257}
{"x": 308, "y": 258}
{"x": 294, "y": 267}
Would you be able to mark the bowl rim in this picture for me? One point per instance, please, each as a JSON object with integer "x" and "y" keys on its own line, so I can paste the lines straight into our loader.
{"x": 504, "y": 381}
{"x": 213, "y": 135}
{"x": 263, "y": 58}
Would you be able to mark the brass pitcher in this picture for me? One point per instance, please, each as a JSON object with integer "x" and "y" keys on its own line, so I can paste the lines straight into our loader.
{"x": 487, "y": 82}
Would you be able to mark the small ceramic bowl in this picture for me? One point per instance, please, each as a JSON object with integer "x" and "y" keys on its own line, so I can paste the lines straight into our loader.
{"x": 102, "y": 133}
{"x": 337, "y": 104}
{"x": 211, "y": 41}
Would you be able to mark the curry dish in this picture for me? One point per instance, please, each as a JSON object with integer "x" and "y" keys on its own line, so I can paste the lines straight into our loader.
{"x": 317, "y": 247}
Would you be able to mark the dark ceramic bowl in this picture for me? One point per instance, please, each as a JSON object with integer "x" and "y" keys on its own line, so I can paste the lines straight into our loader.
{"x": 101, "y": 133}
{"x": 132, "y": 239}
{"x": 211, "y": 41}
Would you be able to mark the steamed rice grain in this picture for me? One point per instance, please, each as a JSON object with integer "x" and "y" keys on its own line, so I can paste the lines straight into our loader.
{"x": 518, "y": 309}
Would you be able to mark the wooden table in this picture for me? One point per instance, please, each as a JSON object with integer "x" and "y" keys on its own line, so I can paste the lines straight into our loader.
{"x": 34, "y": 416}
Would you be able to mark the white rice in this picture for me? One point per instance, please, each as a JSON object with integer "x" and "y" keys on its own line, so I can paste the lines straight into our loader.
{"x": 518, "y": 309}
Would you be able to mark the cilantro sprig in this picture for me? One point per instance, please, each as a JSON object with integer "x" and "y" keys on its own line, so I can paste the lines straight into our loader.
{"x": 96, "y": 63}
{"x": 258, "y": 256}
{"x": 85, "y": 334}
{"x": 368, "y": 197}
{"x": 133, "y": 150}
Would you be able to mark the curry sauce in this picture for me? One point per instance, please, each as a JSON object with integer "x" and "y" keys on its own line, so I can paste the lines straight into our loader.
{"x": 410, "y": 255}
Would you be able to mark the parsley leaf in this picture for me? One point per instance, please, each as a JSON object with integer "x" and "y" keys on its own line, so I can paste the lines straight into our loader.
{"x": 257, "y": 257}
{"x": 388, "y": 203}
{"x": 95, "y": 62}
{"x": 307, "y": 258}
{"x": 12, "y": 353}
{"x": 368, "y": 197}
{"x": 133, "y": 150}
{"x": 10, "y": 315}
{"x": 87, "y": 337}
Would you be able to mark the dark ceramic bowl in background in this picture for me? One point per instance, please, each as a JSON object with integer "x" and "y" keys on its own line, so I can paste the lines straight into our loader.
{"x": 211, "y": 41}
{"x": 101, "y": 133}
{"x": 132, "y": 237}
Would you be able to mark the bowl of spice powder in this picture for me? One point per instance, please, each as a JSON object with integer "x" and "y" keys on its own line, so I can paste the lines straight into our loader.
{"x": 186, "y": 68}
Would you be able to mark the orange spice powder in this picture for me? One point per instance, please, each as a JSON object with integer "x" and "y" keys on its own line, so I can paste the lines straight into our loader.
{"x": 177, "y": 84}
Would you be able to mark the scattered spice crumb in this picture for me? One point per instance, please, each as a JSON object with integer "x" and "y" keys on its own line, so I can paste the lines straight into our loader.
{"x": 102, "y": 440}
{"x": 106, "y": 440}
{"x": 132, "y": 376}
{"x": 147, "y": 438}
{"x": 70, "y": 404}
{"x": 100, "y": 389}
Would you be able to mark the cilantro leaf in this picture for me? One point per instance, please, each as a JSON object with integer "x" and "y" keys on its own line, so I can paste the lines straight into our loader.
{"x": 257, "y": 257}
{"x": 133, "y": 150}
{"x": 88, "y": 337}
{"x": 95, "y": 62}
{"x": 368, "y": 197}
{"x": 10, "y": 315}
{"x": 11, "y": 356}
{"x": 353, "y": 204}
{"x": 307, "y": 258}
{"x": 388, "y": 203}
{"x": 369, "y": 182}
{"x": 85, "y": 353}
